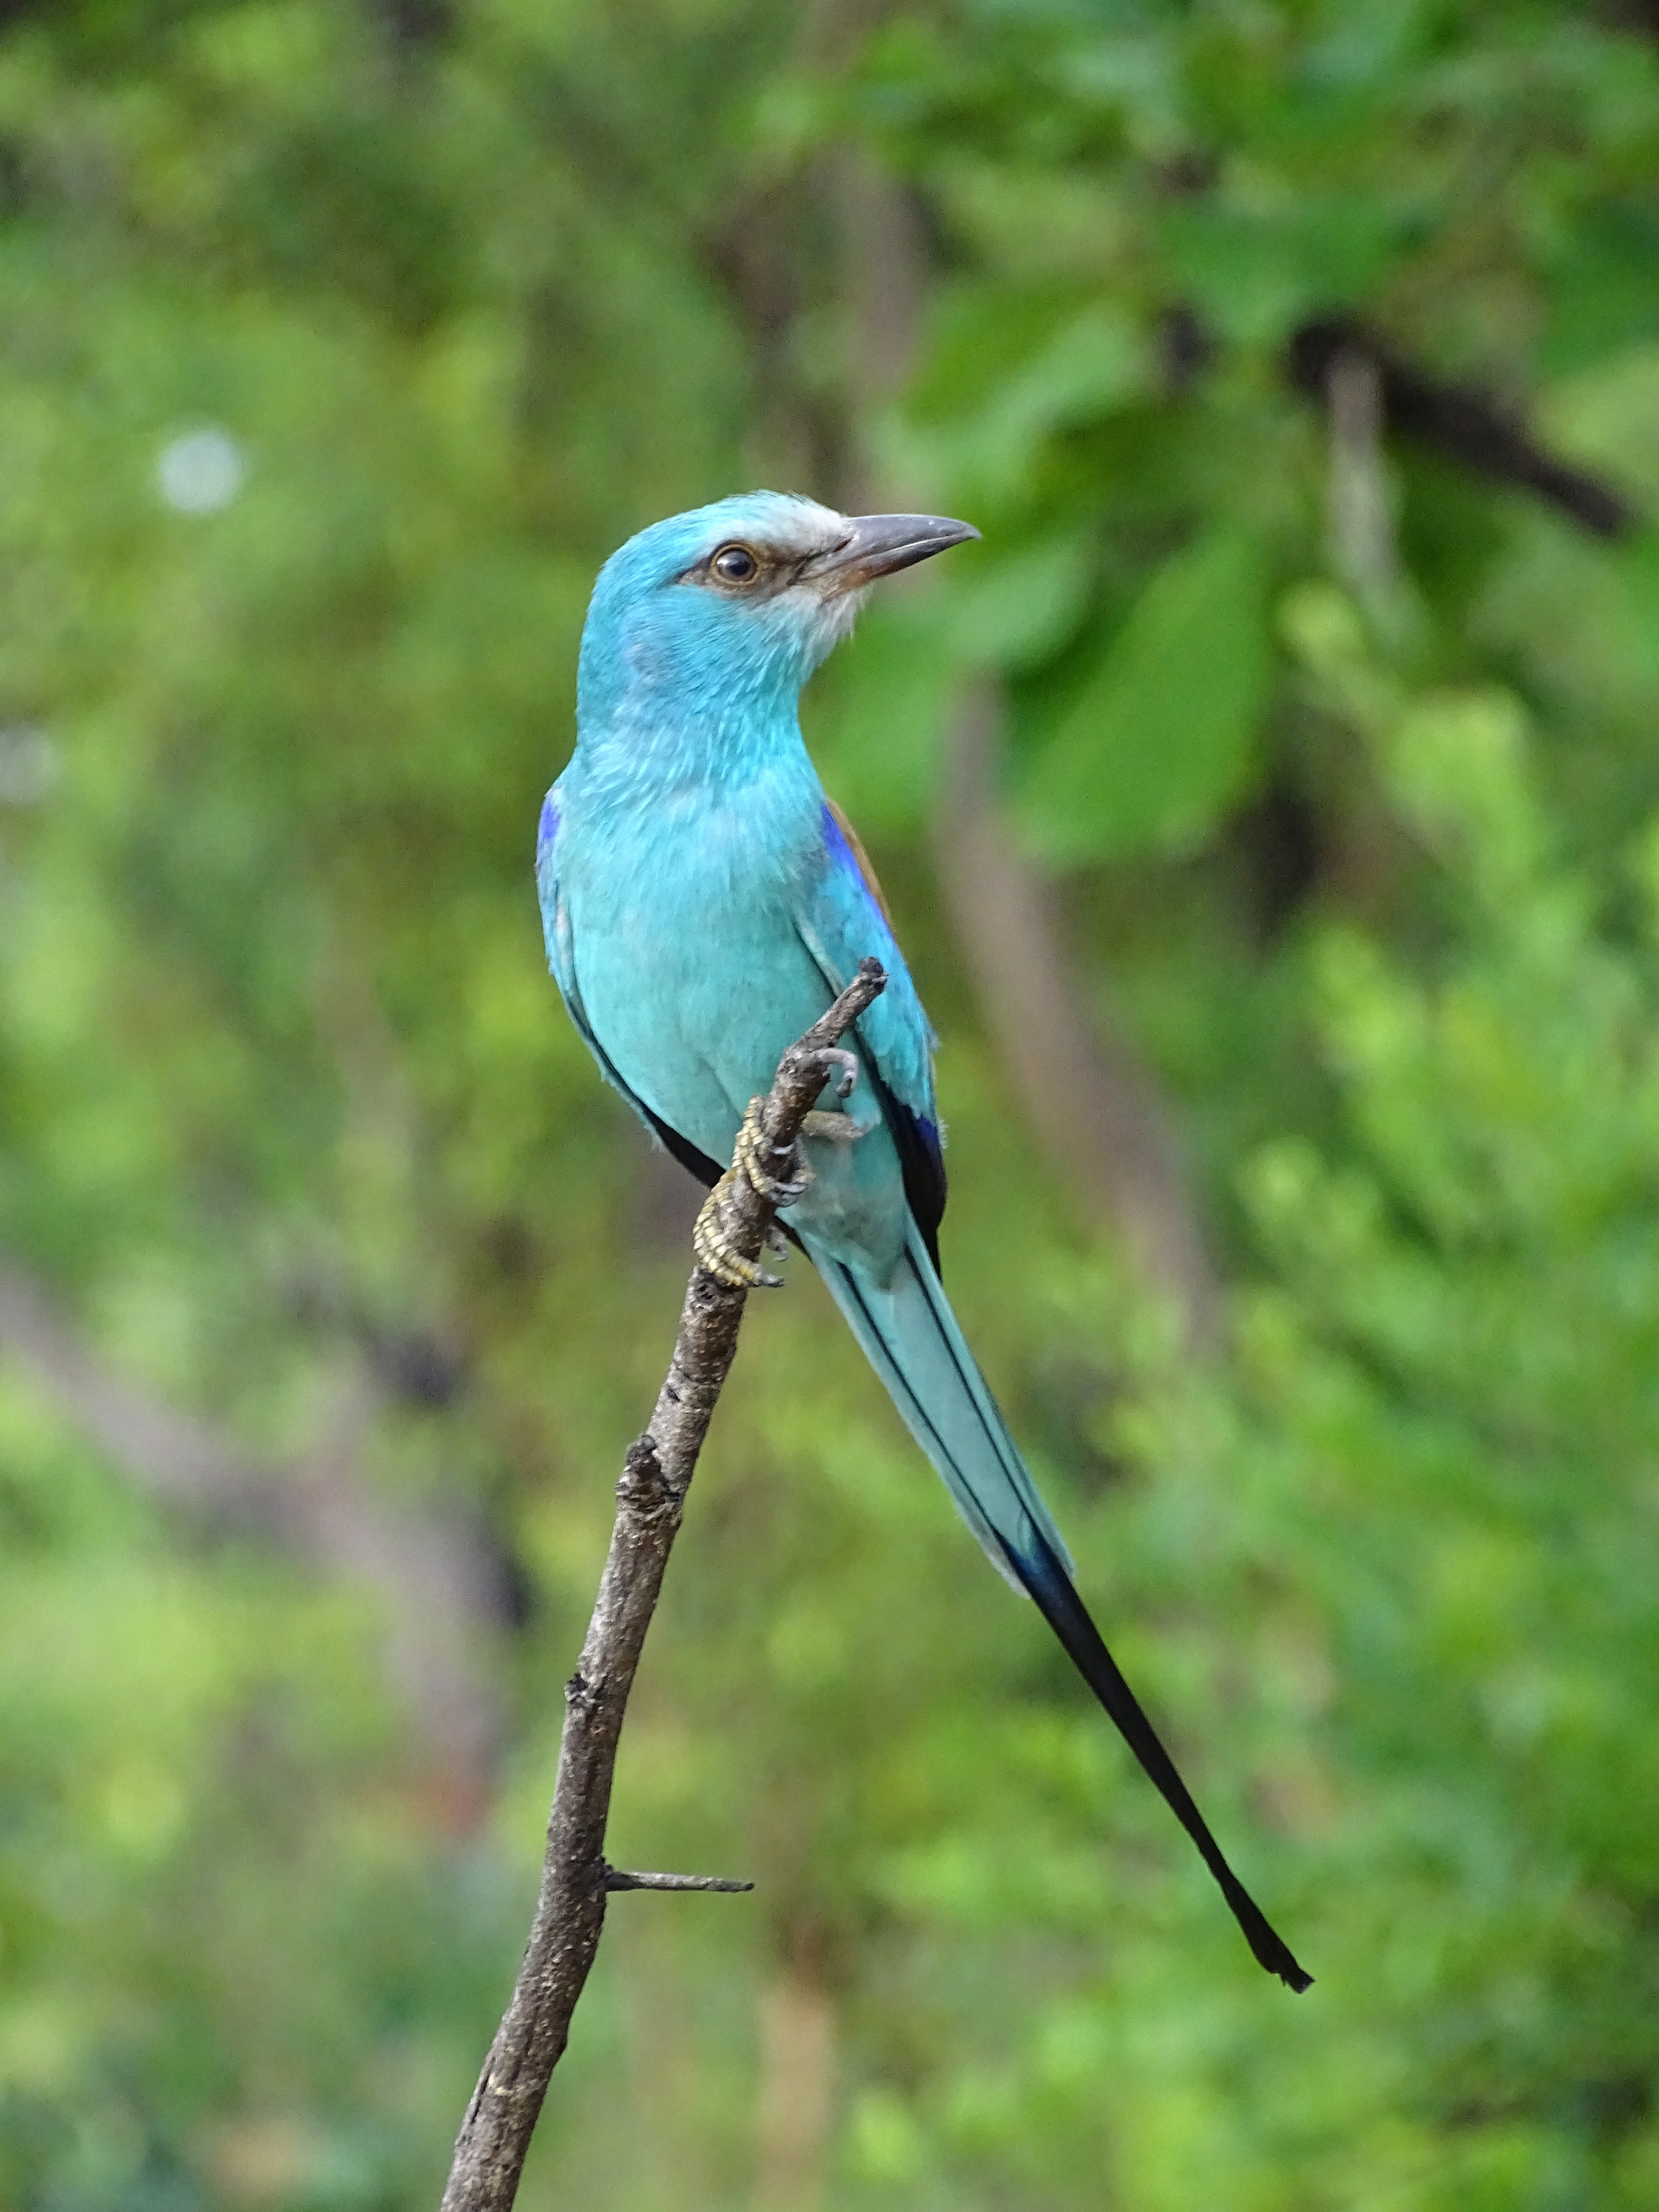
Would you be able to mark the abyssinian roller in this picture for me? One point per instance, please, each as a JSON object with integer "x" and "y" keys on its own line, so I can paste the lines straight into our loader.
{"x": 704, "y": 902}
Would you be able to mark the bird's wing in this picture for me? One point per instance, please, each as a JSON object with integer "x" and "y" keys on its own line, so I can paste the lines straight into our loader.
{"x": 561, "y": 960}
{"x": 841, "y": 916}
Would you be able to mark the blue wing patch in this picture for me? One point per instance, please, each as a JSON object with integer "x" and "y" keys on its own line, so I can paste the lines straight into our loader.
{"x": 846, "y": 848}
{"x": 847, "y": 919}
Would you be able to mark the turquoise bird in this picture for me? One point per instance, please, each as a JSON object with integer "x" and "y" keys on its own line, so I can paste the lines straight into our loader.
{"x": 703, "y": 903}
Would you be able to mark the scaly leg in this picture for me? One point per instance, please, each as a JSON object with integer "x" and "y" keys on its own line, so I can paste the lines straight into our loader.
{"x": 752, "y": 1153}
{"x": 709, "y": 1240}
{"x": 714, "y": 1250}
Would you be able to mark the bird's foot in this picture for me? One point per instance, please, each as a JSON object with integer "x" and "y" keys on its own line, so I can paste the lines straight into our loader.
{"x": 834, "y": 1129}
{"x": 845, "y": 1065}
{"x": 716, "y": 1254}
{"x": 756, "y": 1158}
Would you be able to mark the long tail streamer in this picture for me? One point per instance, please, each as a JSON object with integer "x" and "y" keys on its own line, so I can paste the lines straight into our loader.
{"x": 911, "y": 1338}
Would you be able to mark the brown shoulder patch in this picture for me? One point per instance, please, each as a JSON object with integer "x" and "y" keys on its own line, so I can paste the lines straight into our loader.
{"x": 856, "y": 845}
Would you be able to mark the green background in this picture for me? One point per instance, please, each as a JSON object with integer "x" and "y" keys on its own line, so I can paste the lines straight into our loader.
{"x": 332, "y": 1283}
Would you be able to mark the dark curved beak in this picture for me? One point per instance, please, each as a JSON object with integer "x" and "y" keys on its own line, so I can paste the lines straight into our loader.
{"x": 881, "y": 545}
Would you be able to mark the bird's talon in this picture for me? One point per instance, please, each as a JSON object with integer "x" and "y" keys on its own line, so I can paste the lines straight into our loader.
{"x": 716, "y": 1253}
{"x": 847, "y": 1062}
{"x": 752, "y": 1151}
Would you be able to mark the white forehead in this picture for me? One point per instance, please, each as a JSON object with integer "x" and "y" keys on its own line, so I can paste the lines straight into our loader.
{"x": 785, "y": 519}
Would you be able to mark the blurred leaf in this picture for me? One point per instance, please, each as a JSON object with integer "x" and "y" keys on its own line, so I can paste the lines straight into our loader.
{"x": 1254, "y": 274}
{"x": 1009, "y": 610}
{"x": 875, "y": 728}
{"x": 1008, "y": 367}
{"x": 1603, "y": 292}
{"x": 1456, "y": 765}
{"x": 1156, "y": 743}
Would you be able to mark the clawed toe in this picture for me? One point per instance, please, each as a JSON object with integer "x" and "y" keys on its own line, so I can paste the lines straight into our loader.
{"x": 847, "y": 1067}
{"x": 716, "y": 1252}
{"x": 834, "y": 1128}
{"x": 755, "y": 1159}
{"x": 754, "y": 1155}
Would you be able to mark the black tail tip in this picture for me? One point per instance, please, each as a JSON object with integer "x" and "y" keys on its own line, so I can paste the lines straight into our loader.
{"x": 1275, "y": 1954}
{"x": 1271, "y": 1951}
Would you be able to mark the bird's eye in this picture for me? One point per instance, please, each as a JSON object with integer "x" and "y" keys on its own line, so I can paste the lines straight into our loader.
{"x": 735, "y": 564}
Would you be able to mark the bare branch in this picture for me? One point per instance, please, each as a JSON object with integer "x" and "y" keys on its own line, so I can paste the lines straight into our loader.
{"x": 1467, "y": 425}
{"x": 1364, "y": 551}
{"x": 569, "y": 1917}
{"x": 615, "y": 1879}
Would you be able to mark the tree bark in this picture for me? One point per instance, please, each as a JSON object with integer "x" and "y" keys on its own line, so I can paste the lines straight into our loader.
{"x": 1094, "y": 1113}
{"x": 569, "y": 1917}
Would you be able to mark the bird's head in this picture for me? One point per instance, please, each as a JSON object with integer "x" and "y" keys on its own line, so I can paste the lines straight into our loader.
{"x": 729, "y": 608}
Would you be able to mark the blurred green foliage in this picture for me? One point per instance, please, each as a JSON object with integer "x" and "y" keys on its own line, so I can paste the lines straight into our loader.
{"x": 340, "y": 344}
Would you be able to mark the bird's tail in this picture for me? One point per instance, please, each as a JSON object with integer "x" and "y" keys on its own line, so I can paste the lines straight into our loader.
{"x": 911, "y": 1337}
